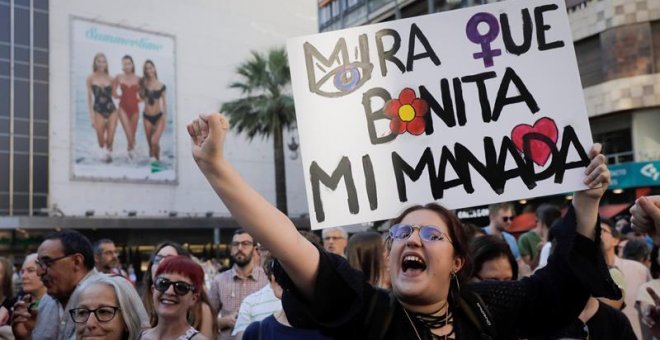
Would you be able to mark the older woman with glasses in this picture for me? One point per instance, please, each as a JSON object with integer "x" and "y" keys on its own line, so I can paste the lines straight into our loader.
{"x": 177, "y": 286}
{"x": 108, "y": 307}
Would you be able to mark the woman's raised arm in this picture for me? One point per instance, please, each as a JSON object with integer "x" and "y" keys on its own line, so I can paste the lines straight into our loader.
{"x": 586, "y": 202}
{"x": 262, "y": 220}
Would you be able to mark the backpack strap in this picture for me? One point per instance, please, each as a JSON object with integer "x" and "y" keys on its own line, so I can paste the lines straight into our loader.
{"x": 474, "y": 308}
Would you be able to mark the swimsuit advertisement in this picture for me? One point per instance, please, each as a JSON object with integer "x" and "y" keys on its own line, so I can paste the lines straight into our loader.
{"x": 123, "y": 93}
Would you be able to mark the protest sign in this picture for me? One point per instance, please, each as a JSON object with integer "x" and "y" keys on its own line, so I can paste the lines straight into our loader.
{"x": 465, "y": 108}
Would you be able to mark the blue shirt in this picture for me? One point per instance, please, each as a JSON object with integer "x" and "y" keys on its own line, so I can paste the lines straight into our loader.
{"x": 270, "y": 329}
{"x": 510, "y": 240}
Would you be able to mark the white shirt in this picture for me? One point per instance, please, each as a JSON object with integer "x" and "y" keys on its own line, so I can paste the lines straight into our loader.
{"x": 256, "y": 307}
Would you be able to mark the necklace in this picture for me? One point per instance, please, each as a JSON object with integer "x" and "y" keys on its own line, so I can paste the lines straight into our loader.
{"x": 432, "y": 322}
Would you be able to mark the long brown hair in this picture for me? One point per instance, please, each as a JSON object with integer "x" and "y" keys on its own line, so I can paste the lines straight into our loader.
{"x": 143, "y": 79}
{"x": 128, "y": 57}
{"x": 99, "y": 55}
{"x": 6, "y": 284}
{"x": 364, "y": 252}
{"x": 456, "y": 233}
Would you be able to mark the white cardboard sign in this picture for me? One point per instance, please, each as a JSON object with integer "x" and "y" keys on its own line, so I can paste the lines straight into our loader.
{"x": 465, "y": 108}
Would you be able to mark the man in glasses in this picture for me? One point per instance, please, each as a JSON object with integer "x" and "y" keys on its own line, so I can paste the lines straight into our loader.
{"x": 106, "y": 257}
{"x": 501, "y": 216}
{"x": 64, "y": 260}
{"x": 230, "y": 287}
{"x": 335, "y": 240}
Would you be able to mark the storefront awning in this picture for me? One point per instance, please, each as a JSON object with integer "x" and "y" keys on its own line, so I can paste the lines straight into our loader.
{"x": 610, "y": 210}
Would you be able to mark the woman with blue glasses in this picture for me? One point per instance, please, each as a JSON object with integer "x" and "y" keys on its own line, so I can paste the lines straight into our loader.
{"x": 429, "y": 263}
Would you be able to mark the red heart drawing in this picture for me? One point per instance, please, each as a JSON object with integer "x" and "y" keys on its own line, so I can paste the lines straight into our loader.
{"x": 539, "y": 150}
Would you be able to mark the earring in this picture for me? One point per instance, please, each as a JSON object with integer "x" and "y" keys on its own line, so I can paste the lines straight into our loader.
{"x": 454, "y": 277}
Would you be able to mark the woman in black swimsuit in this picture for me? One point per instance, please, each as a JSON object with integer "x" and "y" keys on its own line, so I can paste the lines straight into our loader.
{"x": 101, "y": 108}
{"x": 152, "y": 92}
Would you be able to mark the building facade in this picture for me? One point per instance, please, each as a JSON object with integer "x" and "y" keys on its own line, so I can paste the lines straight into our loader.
{"x": 42, "y": 96}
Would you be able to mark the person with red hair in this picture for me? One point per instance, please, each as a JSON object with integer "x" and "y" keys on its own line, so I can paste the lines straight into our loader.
{"x": 177, "y": 287}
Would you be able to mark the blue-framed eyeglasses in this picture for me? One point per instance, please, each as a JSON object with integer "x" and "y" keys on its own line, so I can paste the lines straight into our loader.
{"x": 426, "y": 232}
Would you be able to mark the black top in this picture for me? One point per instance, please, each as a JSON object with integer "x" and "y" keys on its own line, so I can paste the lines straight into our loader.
{"x": 345, "y": 306}
{"x": 270, "y": 329}
{"x": 607, "y": 324}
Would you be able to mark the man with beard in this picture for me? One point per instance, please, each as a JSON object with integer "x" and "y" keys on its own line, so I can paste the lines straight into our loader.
{"x": 105, "y": 257}
{"x": 230, "y": 287}
{"x": 64, "y": 260}
{"x": 501, "y": 217}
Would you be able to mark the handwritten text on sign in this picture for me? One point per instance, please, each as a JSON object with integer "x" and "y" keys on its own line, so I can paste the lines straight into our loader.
{"x": 467, "y": 107}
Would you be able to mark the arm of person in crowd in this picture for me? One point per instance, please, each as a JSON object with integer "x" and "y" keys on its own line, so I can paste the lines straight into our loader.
{"x": 586, "y": 202}
{"x": 227, "y": 321}
{"x": 206, "y": 327}
{"x": 268, "y": 225}
{"x": 23, "y": 320}
{"x": 243, "y": 319}
{"x": 651, "y": 314}
{"x": 646, "y": 216}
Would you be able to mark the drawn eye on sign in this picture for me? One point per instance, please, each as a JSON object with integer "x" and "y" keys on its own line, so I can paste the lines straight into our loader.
{"x": 337, "y": 75}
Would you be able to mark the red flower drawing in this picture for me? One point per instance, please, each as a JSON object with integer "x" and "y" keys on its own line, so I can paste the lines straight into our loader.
{"x": 407, "y": 113}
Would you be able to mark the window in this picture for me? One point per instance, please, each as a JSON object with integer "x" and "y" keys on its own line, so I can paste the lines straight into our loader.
{"x": 589, "y": 58}
{"x": 4, "y": 96}
{"x": 40, "y": 174}
{"x": 617, "y": 145}
{"x": 21, "y": 172}
{"x": 5, "y": 22}
{"x": 21, "y": 98}
{"x": 40, "y": 30}
{"x": 40, "y": 101}
{"x": 655, "y": 34}
{"x": 21, "y": 26}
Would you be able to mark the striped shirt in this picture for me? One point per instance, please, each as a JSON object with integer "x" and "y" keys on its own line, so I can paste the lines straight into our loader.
{"x": 229, "y": 289}
{"x": 256, "y": 307}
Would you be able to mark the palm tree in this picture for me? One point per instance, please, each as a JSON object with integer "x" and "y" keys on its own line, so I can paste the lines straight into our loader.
{"x": 265, "y": 108}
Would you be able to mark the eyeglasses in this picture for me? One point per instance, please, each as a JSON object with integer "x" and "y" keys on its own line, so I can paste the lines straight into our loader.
{"x": 180, "y": 288}
{"x": 46, "y": 262}
{"x": 507, "y": 218}
{"x": 332, "y": 238}
{"x": 159, "y": 258}
{"x": 426, "y": 232}
{"x": 243, "y": 243}
{"x": 102, "y": 314}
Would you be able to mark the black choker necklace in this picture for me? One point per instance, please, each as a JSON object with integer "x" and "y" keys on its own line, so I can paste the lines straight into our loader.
{"x": 434, "y": 321}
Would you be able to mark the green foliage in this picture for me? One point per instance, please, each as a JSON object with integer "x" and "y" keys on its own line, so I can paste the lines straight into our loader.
{"x": 265, "y": 105}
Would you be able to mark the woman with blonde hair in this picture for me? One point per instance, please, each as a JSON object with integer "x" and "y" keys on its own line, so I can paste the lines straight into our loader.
{"x": 101, "y": 108}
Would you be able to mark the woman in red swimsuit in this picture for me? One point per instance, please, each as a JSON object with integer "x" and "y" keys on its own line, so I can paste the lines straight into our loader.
{"x": 129, "y": 84}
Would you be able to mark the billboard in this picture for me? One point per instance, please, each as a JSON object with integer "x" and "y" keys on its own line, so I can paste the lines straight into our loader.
{"x": 123, "y": 96}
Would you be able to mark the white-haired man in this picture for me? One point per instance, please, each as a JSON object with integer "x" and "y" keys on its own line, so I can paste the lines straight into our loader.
{"x": 335, "y": 240}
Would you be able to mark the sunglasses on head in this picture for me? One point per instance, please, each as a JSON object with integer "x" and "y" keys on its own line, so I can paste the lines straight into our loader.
{"x": 180, "y": 288}
{"x": 426, "y": 232}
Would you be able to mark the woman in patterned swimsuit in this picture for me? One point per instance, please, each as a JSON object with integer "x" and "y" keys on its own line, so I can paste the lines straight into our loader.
{"x": 129, "y": 84}
{"x": 102, "y": 110}
{"x": 152, "y": 91}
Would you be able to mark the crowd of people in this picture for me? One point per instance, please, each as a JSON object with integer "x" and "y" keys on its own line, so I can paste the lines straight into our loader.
{"x": 430, "y": 276}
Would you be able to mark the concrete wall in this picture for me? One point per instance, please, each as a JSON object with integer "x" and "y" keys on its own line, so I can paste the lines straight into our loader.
{"x": 212, "y": 39}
